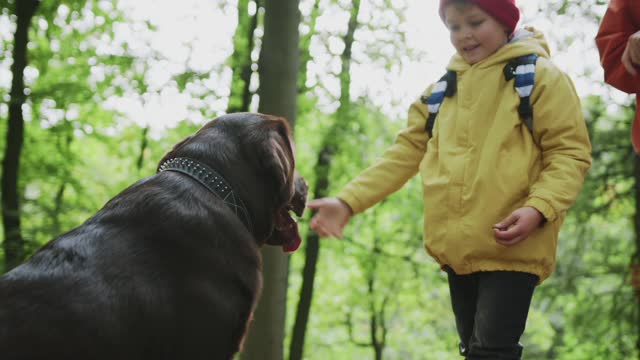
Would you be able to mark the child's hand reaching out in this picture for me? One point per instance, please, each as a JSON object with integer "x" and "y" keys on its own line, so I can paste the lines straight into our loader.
{"x": 517, "y": 226}
{"x": 331, "y": 217}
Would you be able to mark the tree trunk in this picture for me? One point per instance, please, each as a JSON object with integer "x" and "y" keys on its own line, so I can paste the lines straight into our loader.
{"x": 64, "y": 147}
{"x": 278, "y": 67}
{"x": 635, "y": 259}
{"x": 240, "y": 96}
{"x": 305, "y": 43}
{"x": 144, "y": 144}
{"x": 377, "y": 321}
{"x": 323, "y": 165}
{"x": 14, "y": 244}
{"x": 376, "y": 344}
{"x": 312, "y": 252}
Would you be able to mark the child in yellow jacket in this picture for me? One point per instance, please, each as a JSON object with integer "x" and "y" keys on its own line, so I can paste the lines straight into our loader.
{"x": 495, "y": 191}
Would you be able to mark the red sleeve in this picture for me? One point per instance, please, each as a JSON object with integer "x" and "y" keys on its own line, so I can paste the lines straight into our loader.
{"x": 616, "y": 27}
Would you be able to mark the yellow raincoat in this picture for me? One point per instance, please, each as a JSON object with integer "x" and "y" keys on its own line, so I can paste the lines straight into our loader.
{"x": 482, "y": 163}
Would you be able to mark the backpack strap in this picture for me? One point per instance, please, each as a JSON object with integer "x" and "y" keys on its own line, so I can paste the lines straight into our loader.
{"x": 446, "y": 86}
{"x": 523, "y": 69}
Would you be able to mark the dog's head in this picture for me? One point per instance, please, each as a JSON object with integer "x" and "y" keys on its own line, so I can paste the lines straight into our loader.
{"x": 255, "y": 154}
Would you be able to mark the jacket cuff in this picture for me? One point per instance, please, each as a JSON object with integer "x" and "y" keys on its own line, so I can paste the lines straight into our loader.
{"x": 350, "y": 200}
{"x": 543, "y": 206}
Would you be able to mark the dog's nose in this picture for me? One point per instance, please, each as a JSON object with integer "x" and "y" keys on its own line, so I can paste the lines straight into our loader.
{"x": 299, "y": 201}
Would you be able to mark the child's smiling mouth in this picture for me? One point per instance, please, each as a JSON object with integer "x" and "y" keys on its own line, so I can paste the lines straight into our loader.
{"x": 470, "y": 48}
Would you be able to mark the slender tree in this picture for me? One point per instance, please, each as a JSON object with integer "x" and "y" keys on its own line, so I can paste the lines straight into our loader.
{"x": 243, "y": 44}
{"x": 377, "y": 320}
{"x": 377, "y": 325}
{"x": 635, "y": 257}
{"x": 305, "y": 44}
{"x": 278, "y": 69}
{"x": 144, "y": 144}
{"x": 334, "y": 136}
{"x": 63, "y": 143}
{"x": 13, "y": 240}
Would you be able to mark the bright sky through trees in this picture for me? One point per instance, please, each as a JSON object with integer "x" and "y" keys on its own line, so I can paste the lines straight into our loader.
{"x": 198, "y": 35}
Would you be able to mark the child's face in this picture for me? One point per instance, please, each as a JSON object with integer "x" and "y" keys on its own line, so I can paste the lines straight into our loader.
{"x": 474, "y": 33}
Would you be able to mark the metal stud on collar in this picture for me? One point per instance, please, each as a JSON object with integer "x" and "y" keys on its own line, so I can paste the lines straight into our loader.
{"x": 213, "y": 181}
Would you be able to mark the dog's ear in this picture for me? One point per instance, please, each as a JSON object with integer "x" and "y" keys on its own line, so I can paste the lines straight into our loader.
{"x": 175, "y": 148}
{"x": 275, "y": 152}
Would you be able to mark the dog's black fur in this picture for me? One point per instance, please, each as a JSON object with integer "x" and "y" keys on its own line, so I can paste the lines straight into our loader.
{"x": 165, "y": 270}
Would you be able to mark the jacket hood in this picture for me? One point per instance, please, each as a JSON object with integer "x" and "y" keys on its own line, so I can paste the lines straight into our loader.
{"x": 524, "y": 42}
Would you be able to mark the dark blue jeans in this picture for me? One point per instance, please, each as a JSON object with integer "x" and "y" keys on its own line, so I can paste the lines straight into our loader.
{"x": 491, "y": 311}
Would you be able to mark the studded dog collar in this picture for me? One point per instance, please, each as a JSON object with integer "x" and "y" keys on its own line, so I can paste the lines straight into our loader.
{"x": 213, "y": 181}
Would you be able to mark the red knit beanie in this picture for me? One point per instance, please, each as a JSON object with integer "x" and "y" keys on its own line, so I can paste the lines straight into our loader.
{"x": 505, "y": 11}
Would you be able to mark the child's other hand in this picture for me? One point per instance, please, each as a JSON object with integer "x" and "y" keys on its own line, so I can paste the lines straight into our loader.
{"x": 331, "y": 218}
{"x": 631, "y": 55}
{"x": 517, "y": 226}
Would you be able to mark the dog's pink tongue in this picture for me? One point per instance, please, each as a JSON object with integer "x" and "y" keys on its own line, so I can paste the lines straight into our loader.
{"x": 293, "y": 237}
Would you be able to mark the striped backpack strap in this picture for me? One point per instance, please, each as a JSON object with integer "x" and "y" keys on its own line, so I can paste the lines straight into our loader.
{"x": 523, "y": 69}
{"x": 446, "y": 86}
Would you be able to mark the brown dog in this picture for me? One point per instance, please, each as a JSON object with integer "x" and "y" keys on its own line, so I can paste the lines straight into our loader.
{"x": 170, "y": 268}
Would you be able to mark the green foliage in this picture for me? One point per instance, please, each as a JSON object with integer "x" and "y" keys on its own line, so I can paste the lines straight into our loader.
{"x": 588, "y": 302}
{"x": 382, "y": 246}
{"x": 63, "y": 120}
{"x": 77, "y": 155}
{"x": 6, "y": 4}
